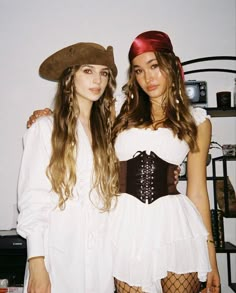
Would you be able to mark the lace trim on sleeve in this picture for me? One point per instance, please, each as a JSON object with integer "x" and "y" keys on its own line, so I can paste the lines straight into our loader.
{"x": 199, "y": 114}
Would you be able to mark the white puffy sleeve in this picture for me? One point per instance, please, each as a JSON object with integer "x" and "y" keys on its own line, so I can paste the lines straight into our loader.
{"x": 34, "y": 189}
{"x": 199, "y": 115}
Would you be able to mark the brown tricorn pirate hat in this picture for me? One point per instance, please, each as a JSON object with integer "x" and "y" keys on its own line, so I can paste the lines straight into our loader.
{"x": 77, "y": 54}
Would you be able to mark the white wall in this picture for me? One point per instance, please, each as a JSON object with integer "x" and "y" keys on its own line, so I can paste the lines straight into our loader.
{"x": 31, "y": 30}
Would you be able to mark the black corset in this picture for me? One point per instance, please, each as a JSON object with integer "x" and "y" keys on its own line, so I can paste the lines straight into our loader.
{"x": 147, "y": 177}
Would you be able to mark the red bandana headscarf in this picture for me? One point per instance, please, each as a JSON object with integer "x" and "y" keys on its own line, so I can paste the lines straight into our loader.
{"x": 152, "y": 41}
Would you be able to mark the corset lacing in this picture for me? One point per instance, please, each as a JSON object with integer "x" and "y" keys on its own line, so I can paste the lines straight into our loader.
{"x": 147, "y": 177}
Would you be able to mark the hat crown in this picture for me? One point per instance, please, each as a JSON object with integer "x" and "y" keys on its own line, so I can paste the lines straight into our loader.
{"x": 77, "y": 54}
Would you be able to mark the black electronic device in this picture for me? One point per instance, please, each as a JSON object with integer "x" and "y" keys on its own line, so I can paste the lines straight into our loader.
{"x": 13, "y": 256}
{"x": 197, "y": 92}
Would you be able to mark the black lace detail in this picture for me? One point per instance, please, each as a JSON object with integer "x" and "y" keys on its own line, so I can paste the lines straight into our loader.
{"x": 147, "y": 177}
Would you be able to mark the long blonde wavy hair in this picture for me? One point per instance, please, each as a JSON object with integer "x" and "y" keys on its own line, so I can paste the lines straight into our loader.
{"x": 136, "y": 110}
{"x": 62, "y": 167}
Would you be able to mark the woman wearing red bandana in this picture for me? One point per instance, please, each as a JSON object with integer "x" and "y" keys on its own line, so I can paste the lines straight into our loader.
{"x": 162, "y": 239}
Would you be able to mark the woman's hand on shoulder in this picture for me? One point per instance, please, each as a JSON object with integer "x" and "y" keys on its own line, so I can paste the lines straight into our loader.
{"x": 36, "y": 114}
{"x": 39, "y": 281}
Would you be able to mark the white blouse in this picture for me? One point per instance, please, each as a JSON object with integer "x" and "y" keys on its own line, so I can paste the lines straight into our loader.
{"x": 74, "y": 240}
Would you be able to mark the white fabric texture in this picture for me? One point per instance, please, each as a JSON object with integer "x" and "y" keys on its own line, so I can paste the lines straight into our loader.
{"x": 167, "y": 235}
{"x": 74, "y": 240}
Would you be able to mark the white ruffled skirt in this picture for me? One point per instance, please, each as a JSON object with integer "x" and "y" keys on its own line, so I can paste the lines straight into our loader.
{"x": 148, "y": 241}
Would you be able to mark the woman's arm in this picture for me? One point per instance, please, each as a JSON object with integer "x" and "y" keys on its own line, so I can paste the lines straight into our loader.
{"x": 197, "y": 192}
{"x": 35, "y": 202}
{"x": 45, "y": 112}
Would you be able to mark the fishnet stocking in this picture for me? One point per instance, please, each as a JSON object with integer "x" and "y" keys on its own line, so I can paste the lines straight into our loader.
{"x": 122, "y": 287}
{"x": 184, "y": 283}
{"x": 173, "y": 283}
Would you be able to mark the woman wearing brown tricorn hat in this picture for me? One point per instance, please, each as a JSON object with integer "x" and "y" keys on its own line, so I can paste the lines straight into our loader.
{"x": 69, "y": 175}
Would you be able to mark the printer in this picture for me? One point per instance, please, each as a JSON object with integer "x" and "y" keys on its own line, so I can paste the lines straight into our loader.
{"x": 13, "y": 257}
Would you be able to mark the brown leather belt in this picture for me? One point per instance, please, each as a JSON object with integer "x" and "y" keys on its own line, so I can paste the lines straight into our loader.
{"x": 147, "y": 177}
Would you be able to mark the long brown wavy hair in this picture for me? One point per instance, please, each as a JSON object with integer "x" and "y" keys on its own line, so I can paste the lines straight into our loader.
{"x": 62, "y": 167}
{"x": 136, "y": 110}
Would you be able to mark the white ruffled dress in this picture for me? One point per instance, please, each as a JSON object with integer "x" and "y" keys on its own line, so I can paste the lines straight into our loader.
{"x": 148, "y": 240}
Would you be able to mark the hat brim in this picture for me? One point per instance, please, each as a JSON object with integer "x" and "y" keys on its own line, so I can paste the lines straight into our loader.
{"x": 77, "y": 54}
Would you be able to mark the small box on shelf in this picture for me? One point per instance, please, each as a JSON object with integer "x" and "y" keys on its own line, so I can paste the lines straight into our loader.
{"x": 229, "y": 150}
